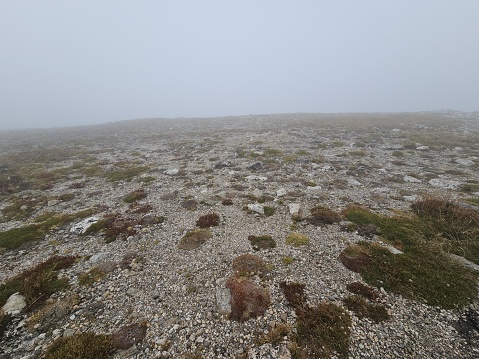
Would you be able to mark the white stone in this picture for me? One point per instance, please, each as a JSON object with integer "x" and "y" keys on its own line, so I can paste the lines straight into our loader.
{"x": 256, "y": 178}
{"x": 255, "y": 207}
{"x": 171, "y": 171}
{"x": 422, "y": 148}
{"x": 393, "y": 250}
{"x": 82, "y": 226}
{"x": 14, "y": 305}
{"x": 97, "y": 257}
{"x": 411, "y": 179}
{"x": 294, "y": 209}
{"x": 281, "y": 192}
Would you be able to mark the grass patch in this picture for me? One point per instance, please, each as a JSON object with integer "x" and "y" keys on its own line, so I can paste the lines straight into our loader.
{"x": 37, "y": 284}
{"x": 134, "y": 196}
{"x": 95, "y": 274}
{"x": 424, "y": 272}
{"x": 269, "y": 211}
{"x": 294, "y": 293}
{"x": 81, "y": 346}
{"x": 262, "y": 242}
{"x": 321, "y": 215}
{"x": 125, "y": 174}
{"x": 16, "y": 237}
{"x": 297, "y": 239}
{"x": 287, "y": 260}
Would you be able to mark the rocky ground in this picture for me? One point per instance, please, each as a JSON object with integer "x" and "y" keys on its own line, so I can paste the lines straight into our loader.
{"x": 272, "y": 168}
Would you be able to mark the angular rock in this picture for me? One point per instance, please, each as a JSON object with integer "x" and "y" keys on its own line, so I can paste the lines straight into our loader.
{"x": 171, "y": 171}
{"x": 14, "y": 305}
{"x": 223, "y": 297}
{"x": 82, "y": 226}
{"x": 255, "y": 207}
{"x": 294, "y": 209}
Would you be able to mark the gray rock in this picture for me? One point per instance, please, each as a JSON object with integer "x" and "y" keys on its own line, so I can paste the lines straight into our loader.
{"x": 255, "y": 207}
{"x": 223, "y": 297}
{"x": 281, "y": 192}
{"x": 464, "y": 162}
{"x": 98, "y": 257}
{"x": 14, "y": 305}
{"x": 444, "y": 184}
{"x": 294, "y": 209}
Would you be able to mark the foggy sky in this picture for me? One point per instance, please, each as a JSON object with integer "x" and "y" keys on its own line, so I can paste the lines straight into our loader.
{"x": 65, "y": 63}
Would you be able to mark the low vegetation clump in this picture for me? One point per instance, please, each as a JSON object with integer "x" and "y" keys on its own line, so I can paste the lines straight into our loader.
{"x": 125, "y": 174}
{"x": 37, "y": 284}
{"x": 294, "y": 293}
{"x": 424, "y": 271}
{"x": 363, "y": 309}
{"x": 22, "y": 207}
{"x": 134, "y": 196}
{"x": 322, "y": 331}
{"x": 248, "y": 300}
{"x": 81, "y": 346}
{"x": 227, "y": 202}
{"x": 364, "y": 290}
{"x": 269, "y": 211}
{"x": 276, "y": 334}
{"x": 16, "y": 237}
{"x": 11, "y": 183}
{"x": 454, "y": 222}
{"x": 287, "y": 260}
{"x": 127, "y": 336}
{"x": 194, "y": 239}
{"x": 131, "y": 258}
{"x": 208, "y": 220}
{"x": 322, "y": 215}
{"x": 93, "y": 275}
{"x": 190, "y": 204}
{"x": 297, "y": 239}
{"x": 116, "y": 226}
{"x": 262, "y": 242}
{"x": 248, "y": 265}
{"x": 47, "y": 317}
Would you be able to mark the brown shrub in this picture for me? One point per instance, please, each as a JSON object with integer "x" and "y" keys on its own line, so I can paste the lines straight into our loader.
{"x": 354, "y": 258}
{"x": 208, "y": 220}
{"x": 128, "y": 335}
{"x": 248, "y": 300}
{"x": 362, "y": 289}
{"x": 323, "y": 331}
{"x": 294, "y": 293}
{"x": 249, "y": 264}
{"x": 362, "y": 309}
{"x": 227, "y": 202}
{"x": 322, "y": 215}
{"x": 194, "y": 239}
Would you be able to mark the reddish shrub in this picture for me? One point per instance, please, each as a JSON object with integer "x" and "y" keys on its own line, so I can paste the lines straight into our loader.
{"x": 248, "y": 300}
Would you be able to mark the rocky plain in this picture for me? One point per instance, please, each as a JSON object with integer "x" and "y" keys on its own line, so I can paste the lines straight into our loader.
{"x": 180, "y": 238}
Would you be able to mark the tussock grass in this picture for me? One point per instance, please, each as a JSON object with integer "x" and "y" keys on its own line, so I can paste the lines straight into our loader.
{"x": 424, "y": 272}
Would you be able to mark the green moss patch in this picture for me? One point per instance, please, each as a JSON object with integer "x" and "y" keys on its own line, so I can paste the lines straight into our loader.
{"x": 262, "y": 242}
{"x": 297, "y": 239}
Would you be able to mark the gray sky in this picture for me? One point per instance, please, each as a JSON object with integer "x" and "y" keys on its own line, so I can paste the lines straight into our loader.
{"x": 66, "y": 62}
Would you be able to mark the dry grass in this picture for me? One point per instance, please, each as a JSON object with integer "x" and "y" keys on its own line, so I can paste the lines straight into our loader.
{"x": 362, "y": 309}
{"x": 81, "y": 346}
{"x": 297, "y": 239}
{"x": 194, "y": 239}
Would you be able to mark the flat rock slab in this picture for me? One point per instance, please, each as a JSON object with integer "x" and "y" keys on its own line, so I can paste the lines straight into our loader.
{"x": 14, "y": 305}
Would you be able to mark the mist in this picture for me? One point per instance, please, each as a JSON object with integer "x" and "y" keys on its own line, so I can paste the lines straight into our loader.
{"x": 88, "y": 62}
